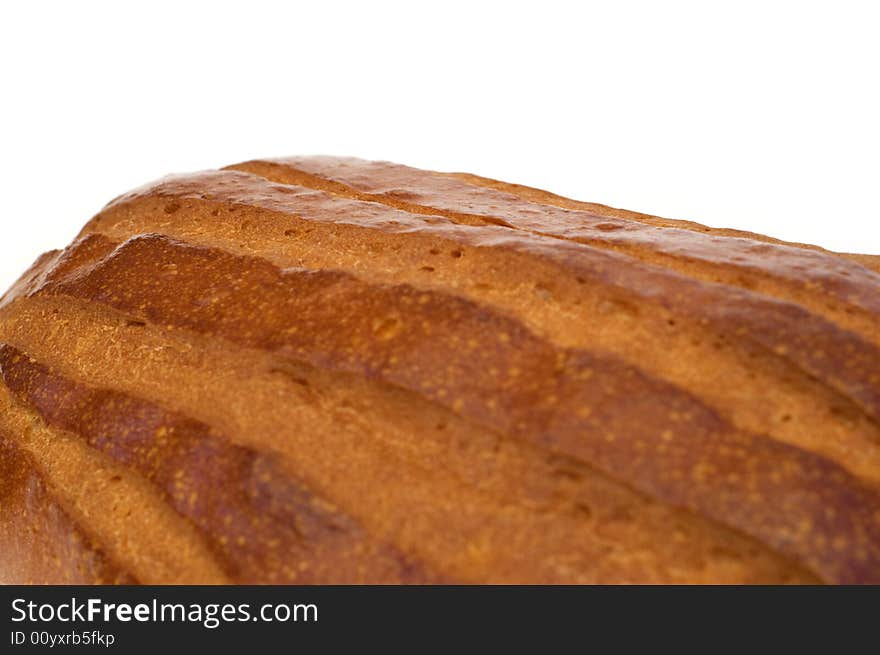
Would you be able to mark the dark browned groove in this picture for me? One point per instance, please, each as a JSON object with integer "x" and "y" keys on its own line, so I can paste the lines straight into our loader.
{"x": 256, "y": 517}
{"x": 618, "y": 433}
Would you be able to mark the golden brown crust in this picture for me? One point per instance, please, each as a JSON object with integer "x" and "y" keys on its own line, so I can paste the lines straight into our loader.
{"x": 727, "y": 383}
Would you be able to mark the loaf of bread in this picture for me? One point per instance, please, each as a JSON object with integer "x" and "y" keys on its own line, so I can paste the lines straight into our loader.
{"x": 329, "y": 370}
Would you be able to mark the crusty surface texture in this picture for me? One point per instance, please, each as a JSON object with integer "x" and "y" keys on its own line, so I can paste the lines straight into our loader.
{"x": 329, "y": 370}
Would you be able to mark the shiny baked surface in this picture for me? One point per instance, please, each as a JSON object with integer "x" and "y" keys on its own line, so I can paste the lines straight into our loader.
{"x": 327, "y": 370}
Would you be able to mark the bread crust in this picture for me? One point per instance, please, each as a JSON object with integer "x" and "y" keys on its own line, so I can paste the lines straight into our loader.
{"x": 575, "y": 356}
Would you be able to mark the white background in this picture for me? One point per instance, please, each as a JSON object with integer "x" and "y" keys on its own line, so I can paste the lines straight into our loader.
{"x": 756, "y": 115}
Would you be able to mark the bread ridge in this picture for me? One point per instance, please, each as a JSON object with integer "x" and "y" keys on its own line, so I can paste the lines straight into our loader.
{"x": 818, "y": 353}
